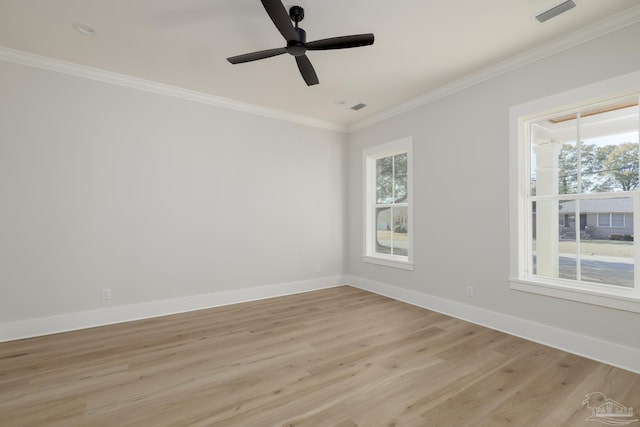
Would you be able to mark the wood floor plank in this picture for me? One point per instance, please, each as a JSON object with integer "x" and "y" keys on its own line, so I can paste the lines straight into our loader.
{"x": 335, "y": 357}
{"x": 540, "y": 396}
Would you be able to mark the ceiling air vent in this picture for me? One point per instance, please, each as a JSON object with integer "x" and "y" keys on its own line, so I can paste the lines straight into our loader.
{"x": 556, "y": 10}
{"x": 358, "y": 106}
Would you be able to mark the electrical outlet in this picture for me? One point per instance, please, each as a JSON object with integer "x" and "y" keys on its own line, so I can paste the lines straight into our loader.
{"x": 469, "y": 291}
{"x": 318, "y": 268}
{"x": 106, "y": 293}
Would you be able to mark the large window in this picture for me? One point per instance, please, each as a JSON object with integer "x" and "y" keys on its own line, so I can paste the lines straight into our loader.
{"x": 388, "y": 215}
{"x": 577, "y": 202}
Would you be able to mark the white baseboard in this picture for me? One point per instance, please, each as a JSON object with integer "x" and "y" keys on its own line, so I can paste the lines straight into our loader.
{"x": 86, "y": 319}
{"x": 593, "y": 348}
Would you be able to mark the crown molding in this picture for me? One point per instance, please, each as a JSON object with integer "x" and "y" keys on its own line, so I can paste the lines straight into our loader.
{"x": 599, "y": 29}
{"x": 70, "y": 68}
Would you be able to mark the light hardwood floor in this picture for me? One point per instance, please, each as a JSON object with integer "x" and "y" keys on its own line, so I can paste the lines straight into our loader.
{"x": 336, "y": 357}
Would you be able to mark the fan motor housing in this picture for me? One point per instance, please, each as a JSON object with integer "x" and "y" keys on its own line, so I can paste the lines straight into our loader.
{"x": 298, "y": 47}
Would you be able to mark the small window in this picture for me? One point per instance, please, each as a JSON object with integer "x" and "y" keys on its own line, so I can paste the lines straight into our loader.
{"x": 604, "y": 220}
{"x": 611, "y": 220}
{"x": 388, "y": 215}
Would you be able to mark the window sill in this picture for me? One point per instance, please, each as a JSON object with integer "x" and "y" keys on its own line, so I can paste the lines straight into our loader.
{"x": 387, "y": 262}
{"x": 621, "y": 299}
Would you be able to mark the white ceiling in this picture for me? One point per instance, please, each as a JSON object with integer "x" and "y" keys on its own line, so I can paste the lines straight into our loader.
{"x": 420, "y": 45}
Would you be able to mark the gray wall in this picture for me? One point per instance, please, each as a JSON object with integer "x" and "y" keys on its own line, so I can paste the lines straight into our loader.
{"x": 155, "y": 197}
{"x": 461, "y": 194}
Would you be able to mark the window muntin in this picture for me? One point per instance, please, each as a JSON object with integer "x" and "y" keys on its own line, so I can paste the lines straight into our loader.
{"x": 583, "y": 185}
{"x": 388, "y": 208}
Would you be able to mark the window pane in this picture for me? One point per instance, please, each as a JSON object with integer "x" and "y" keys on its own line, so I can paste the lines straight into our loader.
{"x": 400, "y": 240}
{"x": 550, "y": 256}
{"x": 567, "y": 214}
{"x": 384, "y": 180}
{"x": 392, "y": 231}
{"x": 606, "y": 253}
{"x": 603, "y": 220}
{"x": 567, "y": 260}
{"x": 400, "y": 177}
{"x": 534, "y": 228}
{"x": 610, "y": 135}
{"x": 554, "y": 156}
{"x": 384, "y": 235}
{"x": 567, "y": 250}
{"x": 533, "y": 177}
{"x": 568, "y": 168}
{"x": 617, "y": 220}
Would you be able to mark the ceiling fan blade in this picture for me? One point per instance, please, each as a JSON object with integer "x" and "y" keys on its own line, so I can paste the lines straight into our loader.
{"x": 307, "y": 71}
{"x": 254, "y": 56}
{"x": 341, "y": 42}
{"x": 280, "y": 17}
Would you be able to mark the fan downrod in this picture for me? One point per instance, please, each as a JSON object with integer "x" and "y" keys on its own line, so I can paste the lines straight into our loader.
{"x": 297, "y": 47}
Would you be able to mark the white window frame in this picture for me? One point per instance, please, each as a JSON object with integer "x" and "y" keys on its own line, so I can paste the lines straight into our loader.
{"x": 370, "y": 156}
{"x": 519, "y": 225}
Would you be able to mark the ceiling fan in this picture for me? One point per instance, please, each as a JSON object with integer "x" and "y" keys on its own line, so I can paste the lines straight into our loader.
{"x": 296, "y": 39}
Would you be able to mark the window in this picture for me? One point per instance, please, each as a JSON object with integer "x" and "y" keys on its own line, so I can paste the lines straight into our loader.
{"x": 604, "y": 220}
{"x": 577, "y": 199}
{"x": 388, "y": 216}
{"x": 611, "y": 220}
